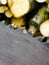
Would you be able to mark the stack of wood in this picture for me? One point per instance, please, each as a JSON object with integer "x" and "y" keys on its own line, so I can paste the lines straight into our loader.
{"x": 33, "y": 15}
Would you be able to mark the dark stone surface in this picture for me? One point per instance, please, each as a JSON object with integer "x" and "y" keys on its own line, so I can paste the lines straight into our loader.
{"x": 17, "y": 48}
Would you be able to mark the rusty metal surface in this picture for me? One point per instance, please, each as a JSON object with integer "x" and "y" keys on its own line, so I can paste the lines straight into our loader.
{"x": 17, "y": 48}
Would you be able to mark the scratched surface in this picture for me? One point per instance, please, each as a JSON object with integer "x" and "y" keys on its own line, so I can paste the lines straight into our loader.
{"x": 17, "y": 48}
